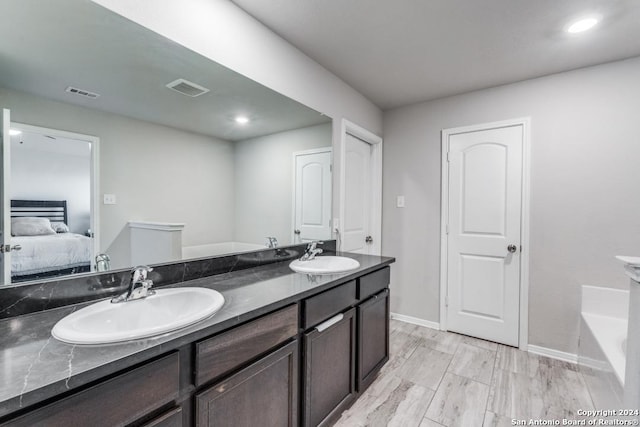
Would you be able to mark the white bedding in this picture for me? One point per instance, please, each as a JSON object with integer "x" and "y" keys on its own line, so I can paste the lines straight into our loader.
{"x": 40, "y": 254}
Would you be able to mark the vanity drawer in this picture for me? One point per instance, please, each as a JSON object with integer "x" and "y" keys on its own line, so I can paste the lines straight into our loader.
{"x": 224, "y": 352}
{"x": 172, "y": 418}
{"x": 116, "y": 402}
{"x": 373, "y": 283}
{"x": 326, "y": 304}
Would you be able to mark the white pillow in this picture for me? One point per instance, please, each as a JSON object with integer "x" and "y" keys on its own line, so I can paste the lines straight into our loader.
{"x": 60, "y": 227}
{"x": 31, "y": 226}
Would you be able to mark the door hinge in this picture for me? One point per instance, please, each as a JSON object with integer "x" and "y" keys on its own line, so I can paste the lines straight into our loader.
{"x": 520, "y": 248}
{"x": 446, "y": 300}
{"x": 330, "y": 168}
{"x": 446, "y": 229}
{"x": 448, "y": 152}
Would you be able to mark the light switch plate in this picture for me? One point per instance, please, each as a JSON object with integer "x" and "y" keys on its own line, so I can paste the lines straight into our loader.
{"x": 400, "y": 201}
{"x": 109, "y": 199}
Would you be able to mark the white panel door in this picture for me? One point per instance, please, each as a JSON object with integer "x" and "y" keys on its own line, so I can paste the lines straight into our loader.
{"x": 358, "y": 192}
{"x": 5, "y": 201}
{"x": 312, "y": 204}
{"x": 485, "y": 192}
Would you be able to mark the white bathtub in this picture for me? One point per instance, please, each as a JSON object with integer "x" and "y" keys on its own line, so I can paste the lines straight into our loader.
{"x": 603, "y": 334}
{"x": 222, "y": 248}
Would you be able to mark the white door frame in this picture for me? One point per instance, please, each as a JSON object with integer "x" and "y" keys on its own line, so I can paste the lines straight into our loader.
{"x": 293, "y": 180}
{"x": 523, "y": 335}
{"x": 6, "y": 203}
{"x": 95, "y": 173}
{"x": 347, "y": 127}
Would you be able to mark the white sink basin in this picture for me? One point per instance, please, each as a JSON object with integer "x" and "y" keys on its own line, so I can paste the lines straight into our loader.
{"x": 169, "y": 309}
{"x": 325, "y": 265}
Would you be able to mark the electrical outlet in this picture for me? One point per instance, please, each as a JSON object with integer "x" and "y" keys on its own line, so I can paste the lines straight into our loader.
{"x": 400, "y": 201}
{"x": 109, "y": 199}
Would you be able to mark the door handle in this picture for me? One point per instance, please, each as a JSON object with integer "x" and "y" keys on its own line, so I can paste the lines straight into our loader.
{"x": 296, "y": 231}
{"x": 328, "y": 323}
{"x": 368, "y": 239}
{"x": 512, "y": 248}
{"x": 8, "y": 248}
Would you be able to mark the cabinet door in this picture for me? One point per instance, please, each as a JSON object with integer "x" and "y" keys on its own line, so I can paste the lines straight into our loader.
{"x": 373, "y": 337}
{"x": 262, "y": 394}
{"x": 329, "y": 370}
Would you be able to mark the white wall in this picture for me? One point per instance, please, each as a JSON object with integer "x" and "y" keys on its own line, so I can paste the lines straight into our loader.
{"x": 264, "y": 181}
{"x": 157, "y": 173}
{"x": 51, "y": 175}
{"x": 584, "y": 205}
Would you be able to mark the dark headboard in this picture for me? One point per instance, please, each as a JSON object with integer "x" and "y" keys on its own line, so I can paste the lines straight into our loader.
{"x": 54, "y": 210}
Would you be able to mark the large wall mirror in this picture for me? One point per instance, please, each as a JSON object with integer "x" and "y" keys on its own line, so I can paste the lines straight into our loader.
{"x": 128, "y": 148}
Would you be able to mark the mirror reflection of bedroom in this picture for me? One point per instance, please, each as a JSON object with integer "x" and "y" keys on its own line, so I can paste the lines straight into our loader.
{"x": 51, "y": 214}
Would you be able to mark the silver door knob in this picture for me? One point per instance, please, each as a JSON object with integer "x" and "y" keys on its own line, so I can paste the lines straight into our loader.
{"x": 512, "y": 248}
{"x": 296, "y": 231}
{"x": 7, "y": 248}
{"x": 368, "y": 239}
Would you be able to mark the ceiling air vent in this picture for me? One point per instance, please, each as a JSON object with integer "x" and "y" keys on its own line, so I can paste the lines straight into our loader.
{"x": 82, "y": 92}
{"x": 188, "y": 88}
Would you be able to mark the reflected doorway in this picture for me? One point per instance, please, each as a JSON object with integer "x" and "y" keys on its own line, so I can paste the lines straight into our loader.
{"x": 312, "y": 195}
{"x": 52, "y": 198}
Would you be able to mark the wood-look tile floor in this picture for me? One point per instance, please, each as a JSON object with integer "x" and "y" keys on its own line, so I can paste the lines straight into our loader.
{"x": 436, "y": 379}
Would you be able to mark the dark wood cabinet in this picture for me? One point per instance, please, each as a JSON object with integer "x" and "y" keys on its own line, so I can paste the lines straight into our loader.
{"x": 303, "y": 363}
{"x": 322, "y": 306}
{"x": 329, "y": 370}
{"x": 263, "y": 394}
{"x": 373, "y": 283}
{"x": 373, "y": 338}
{"x": 115, "y": 402}
{"x": 224, "y": 352}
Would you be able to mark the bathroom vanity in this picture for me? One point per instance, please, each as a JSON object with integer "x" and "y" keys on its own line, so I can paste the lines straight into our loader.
{"x": 285, "y": 349}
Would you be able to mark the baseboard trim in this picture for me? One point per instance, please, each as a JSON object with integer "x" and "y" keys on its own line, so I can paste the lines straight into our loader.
{"x": 554, "y": 354}
{"x": 415, "y": 321}
{"x": 535, "y": 349}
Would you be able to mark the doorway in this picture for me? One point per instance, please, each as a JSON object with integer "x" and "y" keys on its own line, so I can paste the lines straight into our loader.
{"x": 359, "y": 226}
{"x": 484, "y": 236}
{"x": 49, "y": 202}
{"x": 311, "y": 195}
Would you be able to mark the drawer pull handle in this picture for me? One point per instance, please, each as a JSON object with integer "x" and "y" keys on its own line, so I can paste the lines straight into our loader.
{"x": 328, "y": 323}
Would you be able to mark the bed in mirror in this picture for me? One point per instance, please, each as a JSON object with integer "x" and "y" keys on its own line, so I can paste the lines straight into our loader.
{"x": 182, "y": 157}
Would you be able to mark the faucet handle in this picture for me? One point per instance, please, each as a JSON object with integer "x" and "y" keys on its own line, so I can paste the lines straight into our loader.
{"x": 312, "y": 245}
{"x": 272, "y": 242}
{"x": 140, "y": 272}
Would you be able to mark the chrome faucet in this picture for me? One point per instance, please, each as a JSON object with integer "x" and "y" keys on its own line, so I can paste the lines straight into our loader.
{"x": 103, "y": 262}
{"x": 139, "y": 287}
{"x": 311, "y": 251}
{"x": 272, "y": 242}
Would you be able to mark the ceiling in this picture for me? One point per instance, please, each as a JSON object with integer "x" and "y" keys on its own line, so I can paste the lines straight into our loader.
{"x": 42, "y": 142}
{"x": 46, "y": 46}
{"x": 406, "y": 51}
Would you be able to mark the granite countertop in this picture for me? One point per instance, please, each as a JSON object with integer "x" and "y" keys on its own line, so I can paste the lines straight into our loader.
{"x": 35, "y": 366}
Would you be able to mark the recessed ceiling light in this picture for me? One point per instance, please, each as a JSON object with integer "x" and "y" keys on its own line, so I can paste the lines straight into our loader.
{"x": 14, "y": 132}
{"x": 242, "y": 120}
{"x": 582, "y": 25}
